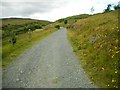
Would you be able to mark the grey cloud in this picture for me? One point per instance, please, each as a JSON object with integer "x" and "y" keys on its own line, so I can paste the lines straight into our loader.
{"x": 28, "y": 8}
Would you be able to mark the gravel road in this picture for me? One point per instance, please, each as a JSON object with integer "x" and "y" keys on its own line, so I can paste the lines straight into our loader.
{"x": 50, "y": 63}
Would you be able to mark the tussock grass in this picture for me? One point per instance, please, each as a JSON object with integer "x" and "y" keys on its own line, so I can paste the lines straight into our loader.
{"x": 95, "y": 41}
{"x": 9, "y": 52}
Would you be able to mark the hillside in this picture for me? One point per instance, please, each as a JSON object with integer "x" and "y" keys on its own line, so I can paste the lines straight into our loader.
{"x": 21, "y": 21}
{"x": 73, "y": 18}
{"x": 20, "y": 25}
{"x": 95, "y": 42}
{"x": 18, "y": 34}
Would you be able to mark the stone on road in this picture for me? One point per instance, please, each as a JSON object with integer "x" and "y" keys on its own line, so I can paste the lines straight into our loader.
{"x": 50, "y": 63}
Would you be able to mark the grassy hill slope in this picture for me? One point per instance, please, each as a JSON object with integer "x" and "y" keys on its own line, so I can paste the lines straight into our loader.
{"x": 20, "y": 25}
{"x": 21, "y": 21}
{"x": 73, "y": 19}
{"x": 25, "y": 39}
{"x": 95, "y": 41}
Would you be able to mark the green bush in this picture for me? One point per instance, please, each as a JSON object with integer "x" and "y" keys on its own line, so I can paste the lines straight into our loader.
{"x": 65, "y": 22}
{"x": 57, "y": 26}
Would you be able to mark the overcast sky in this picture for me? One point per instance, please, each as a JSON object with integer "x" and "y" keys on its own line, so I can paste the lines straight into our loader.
{"x": 51, "y": 9}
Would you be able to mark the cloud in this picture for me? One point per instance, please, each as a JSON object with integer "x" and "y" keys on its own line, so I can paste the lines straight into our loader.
{"x": 51, "y": 9}
{"x": 29, "y": 7}
{"x": 26, "y": 8}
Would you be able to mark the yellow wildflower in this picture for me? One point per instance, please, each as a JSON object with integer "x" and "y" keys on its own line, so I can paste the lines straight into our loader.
{"x": 112, "y": 56}
{"x": 116, "y": 72}
{"x": 115, "y": 48}
{"x": 103, "y": 68}
{"x": 117, "y": 51}
{"x": 109, "y": 50}
{"x": 113, "y": 80}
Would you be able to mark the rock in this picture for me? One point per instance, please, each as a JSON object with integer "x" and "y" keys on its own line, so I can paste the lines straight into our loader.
{"x": 21, "y": 71}
{"x": 17, "y": 79}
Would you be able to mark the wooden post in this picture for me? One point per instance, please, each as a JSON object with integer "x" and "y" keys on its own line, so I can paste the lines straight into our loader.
{"x": 29, "y": 32}
{"x": 13, "y": 38}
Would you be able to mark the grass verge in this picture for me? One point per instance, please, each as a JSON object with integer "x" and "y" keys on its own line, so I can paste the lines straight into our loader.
{"x": 9, "y": 52}
{"x": 95, "y": 42}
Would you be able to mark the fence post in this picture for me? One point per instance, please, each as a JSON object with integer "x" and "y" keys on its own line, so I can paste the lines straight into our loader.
{"x": 29, "y": 32}
{"x": 13, "y": 38}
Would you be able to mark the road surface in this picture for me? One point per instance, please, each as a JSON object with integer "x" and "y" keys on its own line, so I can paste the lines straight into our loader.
{"x": 51, "y": 63}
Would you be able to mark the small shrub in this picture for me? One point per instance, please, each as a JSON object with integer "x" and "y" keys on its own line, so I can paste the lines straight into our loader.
{"x": 65, "y": 22}
{"x": 57, "y": 26}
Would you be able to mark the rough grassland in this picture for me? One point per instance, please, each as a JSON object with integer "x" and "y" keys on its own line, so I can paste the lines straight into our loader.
{"x": 9, "y": 52}
{"x": 95, "y": 41}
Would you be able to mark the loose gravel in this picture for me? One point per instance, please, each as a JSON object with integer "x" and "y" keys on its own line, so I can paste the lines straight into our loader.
{"x": 51, "y": 63}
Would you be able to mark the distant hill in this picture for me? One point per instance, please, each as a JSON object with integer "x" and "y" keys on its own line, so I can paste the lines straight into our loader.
{"x": 75, "y": 17}
{"x": 81, "y": 16}
{"x": 20, "y": 25}
{"x": 21, "y": 21}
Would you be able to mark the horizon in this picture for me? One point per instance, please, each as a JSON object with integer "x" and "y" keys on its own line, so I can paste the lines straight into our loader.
{"x": 38, "y": 19}
{"x": 52, "y": 10}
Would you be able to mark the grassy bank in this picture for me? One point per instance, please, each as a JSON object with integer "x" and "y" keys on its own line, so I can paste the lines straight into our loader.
{"x": 95, "y": 42}
{"x": 9, "y": 52}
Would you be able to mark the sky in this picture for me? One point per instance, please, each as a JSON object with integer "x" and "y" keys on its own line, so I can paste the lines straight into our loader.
{"x": 51, "y": 9}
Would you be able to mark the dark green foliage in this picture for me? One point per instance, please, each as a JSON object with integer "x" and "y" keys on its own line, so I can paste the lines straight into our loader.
{"x": 19, "y": 25}
{"x": 13, "y": 38}
{"x": 108, "y": 8}
{"x": 57, "y": 26}
{"x": 116, "y": 7}
{"x": 61, "y": 20}
{"x": 37, "y": 26}
{"x": 65, "y": 21}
